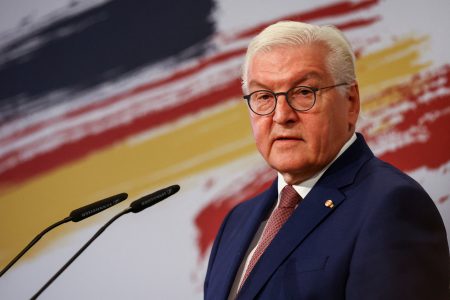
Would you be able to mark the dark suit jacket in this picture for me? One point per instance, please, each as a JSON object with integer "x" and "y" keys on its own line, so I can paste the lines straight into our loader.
{"x": 383, "y": 239}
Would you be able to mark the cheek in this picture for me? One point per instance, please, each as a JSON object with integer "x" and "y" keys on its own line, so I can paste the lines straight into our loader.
{"x": 318, "y": 132}
{"x": 314, "y": 126}
{"x": 261, "y": 131}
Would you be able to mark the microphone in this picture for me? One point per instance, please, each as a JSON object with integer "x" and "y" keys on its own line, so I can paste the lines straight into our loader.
{"x": 151, "y": 199}
{"x": 91, "y": 209}
{"x": 135, "y": 207}
{"x": 75, "y": 216}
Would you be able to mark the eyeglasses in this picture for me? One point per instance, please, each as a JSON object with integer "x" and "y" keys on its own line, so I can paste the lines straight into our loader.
{"x": 300, "y": 98}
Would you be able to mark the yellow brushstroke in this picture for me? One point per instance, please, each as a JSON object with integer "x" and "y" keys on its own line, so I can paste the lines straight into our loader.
{"x": 387, "y": 67}
{"x": 382, "y": 100}
{"x": 137, "y": 167}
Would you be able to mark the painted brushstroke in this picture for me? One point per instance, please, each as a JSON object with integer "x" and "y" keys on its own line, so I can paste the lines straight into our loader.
{"x": 97, "y": 45}
{"x": 208, "y": 219}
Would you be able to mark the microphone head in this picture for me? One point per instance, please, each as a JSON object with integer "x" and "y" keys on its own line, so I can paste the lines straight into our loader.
{"x": 96, "y": 207}
{"x": 153, "y": 198}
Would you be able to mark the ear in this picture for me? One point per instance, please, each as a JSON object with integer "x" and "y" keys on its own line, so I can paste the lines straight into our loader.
{"x": 354, "y": 104}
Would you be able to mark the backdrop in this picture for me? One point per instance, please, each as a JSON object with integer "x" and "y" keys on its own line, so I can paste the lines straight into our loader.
{"x": 99, "y": 97}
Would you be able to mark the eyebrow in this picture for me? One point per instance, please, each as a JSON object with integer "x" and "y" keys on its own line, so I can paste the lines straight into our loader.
{"x": 307, "y": 76}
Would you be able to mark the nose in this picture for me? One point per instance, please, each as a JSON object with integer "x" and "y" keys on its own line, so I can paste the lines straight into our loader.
{"x": 284, "y": 113}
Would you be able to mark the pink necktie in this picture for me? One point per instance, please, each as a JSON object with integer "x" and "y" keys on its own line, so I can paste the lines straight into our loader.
{"x": 288, "y": 201}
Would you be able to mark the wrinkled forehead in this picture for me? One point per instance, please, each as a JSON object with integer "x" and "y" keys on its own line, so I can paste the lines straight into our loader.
{"x": 288, "y": 63}
{"x": 266, "y": 50}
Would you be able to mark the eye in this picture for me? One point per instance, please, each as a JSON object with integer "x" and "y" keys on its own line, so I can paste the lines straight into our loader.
{"x": 302, "y": 91}
{"x": 263, "y": 96}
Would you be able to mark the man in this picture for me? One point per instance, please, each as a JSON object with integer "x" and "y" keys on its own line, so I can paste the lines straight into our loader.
{"x": 338, "y": 223}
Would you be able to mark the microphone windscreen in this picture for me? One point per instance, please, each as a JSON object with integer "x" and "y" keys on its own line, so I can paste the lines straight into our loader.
{"x": 153, "y": 198}
{"x": 96, "y": 207}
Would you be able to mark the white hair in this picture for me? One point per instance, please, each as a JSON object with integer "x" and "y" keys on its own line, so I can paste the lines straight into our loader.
{"x": 340, "y": 58}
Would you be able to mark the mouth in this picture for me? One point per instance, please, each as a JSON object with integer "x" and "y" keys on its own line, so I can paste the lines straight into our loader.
{"x": 287, "y": 139}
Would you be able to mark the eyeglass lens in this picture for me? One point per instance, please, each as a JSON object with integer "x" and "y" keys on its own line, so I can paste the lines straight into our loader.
{"x": 300, "y": 98}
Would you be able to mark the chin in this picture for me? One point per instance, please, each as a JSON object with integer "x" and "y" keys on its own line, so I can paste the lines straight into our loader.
{"x": 288, "y": 166}
{"x": 293, "y": 171}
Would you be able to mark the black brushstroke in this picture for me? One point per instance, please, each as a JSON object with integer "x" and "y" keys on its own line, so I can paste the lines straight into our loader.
{"x": 101, "y": 44}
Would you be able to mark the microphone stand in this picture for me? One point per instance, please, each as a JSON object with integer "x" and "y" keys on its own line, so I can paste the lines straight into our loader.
{"x": 34, "y": 241}
{"x": 135, "y": 207}
{"x": 43, "y": 288}
{"x": 75, "y": 216}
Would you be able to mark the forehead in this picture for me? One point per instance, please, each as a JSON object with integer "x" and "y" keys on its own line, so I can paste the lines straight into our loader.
{"x": 285, "y": 65}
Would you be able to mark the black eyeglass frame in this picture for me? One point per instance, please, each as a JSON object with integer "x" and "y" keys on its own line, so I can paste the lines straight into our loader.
{"x": 313, "y": 89}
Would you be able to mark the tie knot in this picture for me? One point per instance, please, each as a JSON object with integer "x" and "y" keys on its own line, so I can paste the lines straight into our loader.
{"x": 289, "y": 197}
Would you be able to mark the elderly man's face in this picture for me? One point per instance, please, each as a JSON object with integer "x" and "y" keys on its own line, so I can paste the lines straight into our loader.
{"x": 300, "y": 144}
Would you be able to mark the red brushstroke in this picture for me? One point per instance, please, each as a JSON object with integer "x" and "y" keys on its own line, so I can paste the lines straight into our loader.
{"x": 200, "y": 66}
{"x": 435, "y": 152}
{"x": 333, "y": 10}
{"x": 73, "y": 151}
{"x": 208, "y": 220}
{"x": 357, "y": 23}
{"x": 443, "y": 199}
{"x": 432, "y": 154}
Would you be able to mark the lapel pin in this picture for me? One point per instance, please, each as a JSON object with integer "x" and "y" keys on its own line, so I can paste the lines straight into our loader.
{"x": 329, "y": 203}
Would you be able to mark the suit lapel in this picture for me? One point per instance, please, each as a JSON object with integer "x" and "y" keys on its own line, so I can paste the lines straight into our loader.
{"x": 306, "y": 217}
{"x": 309, "y": 215}
{"x": 236, "y": 246}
